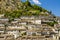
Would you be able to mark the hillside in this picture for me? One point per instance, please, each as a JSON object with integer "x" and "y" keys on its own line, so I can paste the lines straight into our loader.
{"x": 18, "y": 8}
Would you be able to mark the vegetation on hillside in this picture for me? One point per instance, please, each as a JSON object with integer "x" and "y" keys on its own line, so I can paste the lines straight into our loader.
{"x": 26, "y": 9}
{"x": 52, "y": 23}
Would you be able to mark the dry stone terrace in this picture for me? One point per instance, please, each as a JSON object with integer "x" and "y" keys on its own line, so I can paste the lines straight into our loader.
{"x": 28, "y": 28}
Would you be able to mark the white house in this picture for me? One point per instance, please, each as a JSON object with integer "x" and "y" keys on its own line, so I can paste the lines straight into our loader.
{"x": 15, "y": 33}
{"x": 37, "y": 21}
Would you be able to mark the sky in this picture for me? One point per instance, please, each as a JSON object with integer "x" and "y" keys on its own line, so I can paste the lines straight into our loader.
{"x": 52, "y": 5}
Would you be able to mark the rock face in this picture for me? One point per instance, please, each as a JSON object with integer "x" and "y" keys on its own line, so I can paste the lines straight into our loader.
{"x": 9, "y": 5}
